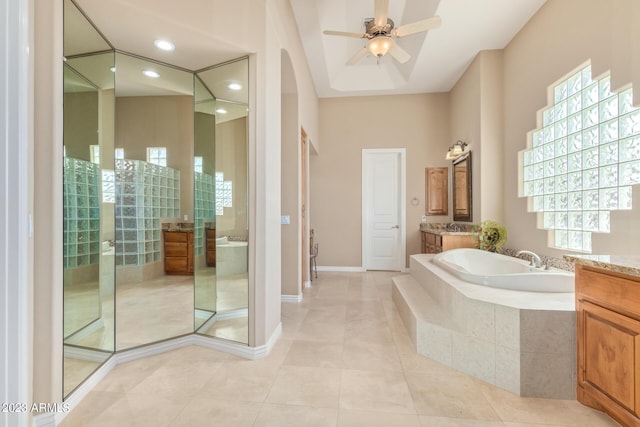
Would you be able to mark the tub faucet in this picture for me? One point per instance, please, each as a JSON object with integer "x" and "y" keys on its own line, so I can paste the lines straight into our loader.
{"x": 535, "y": 259}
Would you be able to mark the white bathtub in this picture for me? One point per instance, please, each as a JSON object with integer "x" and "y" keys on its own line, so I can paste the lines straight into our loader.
{"x": 231, "y": 257}
{"x": 501, "y": 271}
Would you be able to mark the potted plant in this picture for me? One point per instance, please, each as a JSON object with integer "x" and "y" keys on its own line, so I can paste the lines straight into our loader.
{"x": 491, "y": 236}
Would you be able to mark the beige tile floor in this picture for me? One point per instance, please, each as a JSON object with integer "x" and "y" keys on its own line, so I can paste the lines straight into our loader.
{"x": 344, "y": 359}
{"x": 148, "y": 312}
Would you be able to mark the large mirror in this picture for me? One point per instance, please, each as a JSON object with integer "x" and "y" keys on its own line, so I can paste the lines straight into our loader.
{"x": 88, "y": 192}
{"x": 221, "y": 197}
{"x": 154, "y": 201}
{"x": 462, "y": 197}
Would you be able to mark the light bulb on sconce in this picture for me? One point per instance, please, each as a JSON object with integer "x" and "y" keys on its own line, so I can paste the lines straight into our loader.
{"x": 456, "y": 150}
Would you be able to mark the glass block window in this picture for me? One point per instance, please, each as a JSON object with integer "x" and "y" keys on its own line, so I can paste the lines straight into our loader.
{"x": 157, "y": 155}
{"x": 108, "y": 186}
{"x": 119, "y": 153}
{"x": 197, "y": 164}
{"x": 94, "y": 152}
{"x": 224, "y": 193}
{"x": 582, "y": 160}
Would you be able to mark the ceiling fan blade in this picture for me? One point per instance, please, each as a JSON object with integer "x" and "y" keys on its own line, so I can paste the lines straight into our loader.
{"x": 381, "y": 12}
{"x": 344, "y": 34}
{"x": 418, "y": 26}
{"x": 358, "y": 56}
{"x": 399, "y": 53}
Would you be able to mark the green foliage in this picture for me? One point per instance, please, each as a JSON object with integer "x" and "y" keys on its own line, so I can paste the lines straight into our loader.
{"x": 491, "y": 235}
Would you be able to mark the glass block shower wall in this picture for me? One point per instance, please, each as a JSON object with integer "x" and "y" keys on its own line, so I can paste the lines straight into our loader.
{"x": 144, "y": 193}
{"x": 582, "y": 162}
{"x": 205, "y": 207}
{"x": 81, "y": 213}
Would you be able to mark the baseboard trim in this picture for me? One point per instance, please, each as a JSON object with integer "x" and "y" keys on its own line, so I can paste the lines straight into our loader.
{"x": 291, "y": 298}
{"x": 45, "y": 420}
{"x": 232, "y": 314}
{"x": 87, "y": 354}
{"x": 342, "y": 269}
{"x": 85, "y": 331}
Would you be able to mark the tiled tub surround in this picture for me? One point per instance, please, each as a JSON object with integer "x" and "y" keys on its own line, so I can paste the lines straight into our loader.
{"x": 523, "y": 342}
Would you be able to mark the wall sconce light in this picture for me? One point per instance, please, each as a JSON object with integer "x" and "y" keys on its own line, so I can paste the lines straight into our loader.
{"x": 456, "y": 150}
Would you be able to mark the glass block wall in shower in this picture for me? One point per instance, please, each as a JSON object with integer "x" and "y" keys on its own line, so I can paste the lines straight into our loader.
{"x": 205, "y": 207}
{"x": 81, "y": 213}
{"x": 145, "y": 192}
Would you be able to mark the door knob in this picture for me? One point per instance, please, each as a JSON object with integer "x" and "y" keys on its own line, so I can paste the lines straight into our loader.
{"x": 396, "y": 226}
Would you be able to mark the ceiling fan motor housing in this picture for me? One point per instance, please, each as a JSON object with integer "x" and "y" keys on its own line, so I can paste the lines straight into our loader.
{"x": 374, "y": 30}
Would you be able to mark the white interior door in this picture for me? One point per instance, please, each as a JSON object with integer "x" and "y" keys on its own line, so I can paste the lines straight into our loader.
{"x": 383, "y": 212}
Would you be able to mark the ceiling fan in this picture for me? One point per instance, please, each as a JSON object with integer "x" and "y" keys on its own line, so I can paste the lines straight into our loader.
{"x": 381, "y": 32}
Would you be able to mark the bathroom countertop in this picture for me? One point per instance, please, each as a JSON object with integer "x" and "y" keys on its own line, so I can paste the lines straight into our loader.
{"x": 441, "y": 230}
{"x": 629, "y": 265}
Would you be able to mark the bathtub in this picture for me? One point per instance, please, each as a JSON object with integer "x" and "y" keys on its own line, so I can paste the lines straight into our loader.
{"x": 522, "y": 341}
{"x": 231, "y": 257}
{"x": 501, "y": 271}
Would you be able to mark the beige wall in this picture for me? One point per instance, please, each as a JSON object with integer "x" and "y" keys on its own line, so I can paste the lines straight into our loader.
{"x": 159, "y": 121}
{"x": 231, "y": 159}
{"x": 419, "y": 123}
{"x": 291, "y": 274}
{"x": 562, "y": 36}
{"x": 476, "y": 118}
{"x": 81, "y": 128}
{"x": 47, "y": 204}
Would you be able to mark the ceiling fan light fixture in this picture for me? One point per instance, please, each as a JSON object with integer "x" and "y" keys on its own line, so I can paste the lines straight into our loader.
{"x": 379, "y": 46}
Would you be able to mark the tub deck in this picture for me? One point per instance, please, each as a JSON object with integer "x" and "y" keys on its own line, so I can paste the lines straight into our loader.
{"x": 523, "y": 342}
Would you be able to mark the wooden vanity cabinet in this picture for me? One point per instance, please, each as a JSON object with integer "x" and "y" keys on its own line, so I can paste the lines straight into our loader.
{"x": 437, "y": 185}
{"x": 178, "y": 252}
{"x": 608, "y": 338}
{"x": 433, "y": 243}
{"x": 210, "y": 245}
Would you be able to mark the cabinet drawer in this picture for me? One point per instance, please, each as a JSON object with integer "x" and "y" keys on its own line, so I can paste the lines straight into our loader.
{"x": 619, "y": 294}
{"x": 173, "y": 249}
{"x": 178, "y": 264}
{"x": 175, "y": 236}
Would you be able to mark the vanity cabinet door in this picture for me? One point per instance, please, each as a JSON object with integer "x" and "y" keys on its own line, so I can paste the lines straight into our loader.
{"x": 437, "y": 185}
{"x": 610, "y": 344}
{"x": 210, "y": 244}
{"x": 178, "y": 252}
{"x": 608, "y": 323}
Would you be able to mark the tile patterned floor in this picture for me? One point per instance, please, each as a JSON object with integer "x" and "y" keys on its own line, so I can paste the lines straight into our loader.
{"x": 344, "y": 360}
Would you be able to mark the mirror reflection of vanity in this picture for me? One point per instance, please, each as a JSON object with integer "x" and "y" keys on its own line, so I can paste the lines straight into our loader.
{"x": 462, "y": 195}
{"x": 144, "y": 155}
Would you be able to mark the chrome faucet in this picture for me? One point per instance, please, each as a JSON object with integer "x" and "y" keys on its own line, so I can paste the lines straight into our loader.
{"x": 453, "y": 227}
{"x": 535, "y": 259}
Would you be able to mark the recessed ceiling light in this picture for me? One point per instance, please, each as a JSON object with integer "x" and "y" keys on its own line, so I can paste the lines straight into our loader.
{"x": 151, "y": 73}
{"x": 221, "y": 111}
{"x": 112, "y": 69}
{"x": 235, "y": 86}
{"x": 164, "y": 45}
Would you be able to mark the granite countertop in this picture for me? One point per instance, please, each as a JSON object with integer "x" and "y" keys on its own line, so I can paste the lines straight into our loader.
{"x": 178, "y": 226}
{"x": 624, "y": 264}
{"x": 442, "y": 230}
